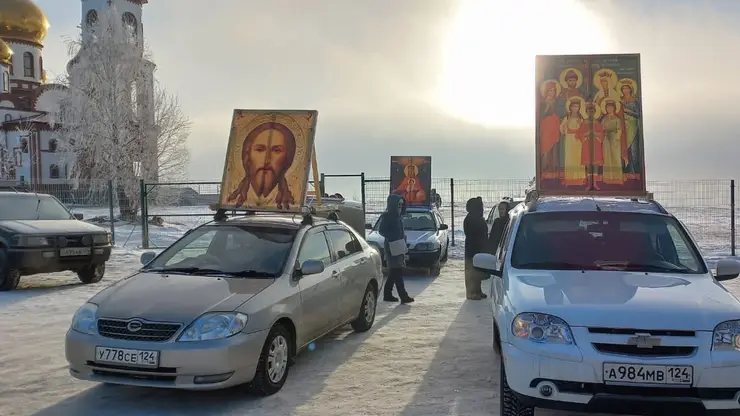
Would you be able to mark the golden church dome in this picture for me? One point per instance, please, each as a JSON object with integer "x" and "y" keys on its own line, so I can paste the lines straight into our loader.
{"x": 22, "y": 20}
{"x": 5, "y": 53}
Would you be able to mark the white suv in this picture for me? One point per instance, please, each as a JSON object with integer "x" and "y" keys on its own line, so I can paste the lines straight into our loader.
{"x": 606, "y": 305}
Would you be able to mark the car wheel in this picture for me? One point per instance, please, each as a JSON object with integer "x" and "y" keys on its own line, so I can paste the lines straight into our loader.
{"x": 9, "y": 278}
{"x": 366, "y": 317}
{"x": 272, "y": 368}
{"x": 444, "y": 256}
{"x": 510, "y": 405}
{"x": 91, "y": 274}
{"x": 436, "y": 269}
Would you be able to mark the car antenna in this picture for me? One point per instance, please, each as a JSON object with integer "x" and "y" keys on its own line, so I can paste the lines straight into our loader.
{"x": 598, "y": 208}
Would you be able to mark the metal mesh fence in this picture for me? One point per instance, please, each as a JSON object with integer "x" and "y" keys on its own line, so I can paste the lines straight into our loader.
{"x": 704, "y": 206}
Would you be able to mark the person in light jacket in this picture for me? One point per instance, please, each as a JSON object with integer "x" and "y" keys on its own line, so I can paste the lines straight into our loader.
{"x": 391, "y": 228}
{"x": 476, "y": 239}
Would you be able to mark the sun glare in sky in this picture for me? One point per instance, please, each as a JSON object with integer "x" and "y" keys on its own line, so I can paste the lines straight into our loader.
{"x": 487, "y": 76}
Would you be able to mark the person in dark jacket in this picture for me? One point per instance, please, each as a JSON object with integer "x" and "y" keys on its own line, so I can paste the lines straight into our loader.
{"x": 476, "y": 238}
{"x": 391, "y": 228}
{"x": 498, "y": 227}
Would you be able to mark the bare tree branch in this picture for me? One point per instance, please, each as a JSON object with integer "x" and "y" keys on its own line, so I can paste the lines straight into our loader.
{"x": 116, "y": 122}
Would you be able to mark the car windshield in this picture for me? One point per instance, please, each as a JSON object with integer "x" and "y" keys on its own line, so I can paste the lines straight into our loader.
{"x": 29, "y": 207}
{"x": 231, "y": 250}
{"x": 605, "y": 241}
{"x": 418, "y": 221}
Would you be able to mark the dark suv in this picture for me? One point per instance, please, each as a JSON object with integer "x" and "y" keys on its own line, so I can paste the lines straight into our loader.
{"x": 39, "y": 235}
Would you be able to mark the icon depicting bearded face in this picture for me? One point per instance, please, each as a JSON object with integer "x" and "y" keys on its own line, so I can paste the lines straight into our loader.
{"x": 267, "y": 153}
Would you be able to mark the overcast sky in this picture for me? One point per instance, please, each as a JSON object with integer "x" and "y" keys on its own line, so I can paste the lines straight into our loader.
{"x": 446, "y": 78}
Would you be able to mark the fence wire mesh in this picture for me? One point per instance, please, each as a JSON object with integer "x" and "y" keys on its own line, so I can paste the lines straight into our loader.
{"x": 704, "y": 206}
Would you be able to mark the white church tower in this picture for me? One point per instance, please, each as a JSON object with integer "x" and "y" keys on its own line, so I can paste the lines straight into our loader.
{"x": 142, "y": 93}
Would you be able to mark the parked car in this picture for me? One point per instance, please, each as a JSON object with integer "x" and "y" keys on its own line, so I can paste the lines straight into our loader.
{"x": 427, "y": 236}
{"x": 40, "y": 235}
{"x": 231, "y": 302}
{"x": 607, "y": 306}
{"x": 493, "y": 213}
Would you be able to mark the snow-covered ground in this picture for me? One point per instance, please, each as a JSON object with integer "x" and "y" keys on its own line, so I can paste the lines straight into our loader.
{"x": 431, "y": 358}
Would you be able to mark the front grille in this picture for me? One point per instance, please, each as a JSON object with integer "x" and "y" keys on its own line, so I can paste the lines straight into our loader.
{"x": 150, "y": 331}
{"x": 146, "y": 377}
{"x": 633, "y": 331}
{"x": 74, "y": 241}
{"x": 633, "y": 350}
{"x": 642, "y": 391}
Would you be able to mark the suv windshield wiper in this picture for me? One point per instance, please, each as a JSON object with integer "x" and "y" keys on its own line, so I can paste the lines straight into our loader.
{"x": 207, "y": 271}
{"x": 556, "y": 265}
{"x": 655, "y": 268}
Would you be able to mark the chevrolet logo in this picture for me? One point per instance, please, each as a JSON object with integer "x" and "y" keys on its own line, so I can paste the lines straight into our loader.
{"x": 644, "y": 341}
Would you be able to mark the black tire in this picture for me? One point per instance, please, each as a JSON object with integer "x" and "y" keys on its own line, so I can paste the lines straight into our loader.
{"x": 91, "y": 274}
{"x": 444, "y": 256}
{"x": 9, "y": 278}
{"x": 366, "y": 316}
{"x": 263, "y": 384}
{"x": 510, "y": 405}
{"x": 436, "y": 269}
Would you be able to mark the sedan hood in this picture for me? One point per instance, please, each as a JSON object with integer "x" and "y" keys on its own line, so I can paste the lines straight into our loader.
{"x": 173, "y": 297}
{"x": 50, "y": 227}
{"x": 415, "y": 237}
{"x": 625, "y": 299}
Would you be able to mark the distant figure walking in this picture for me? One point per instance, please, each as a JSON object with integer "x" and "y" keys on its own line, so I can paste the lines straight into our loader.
{"x": 435, "y": 198}
{"x": 476, "y": 238}
{"x": 394, "y": 248}
{"x": 498, "y": 227}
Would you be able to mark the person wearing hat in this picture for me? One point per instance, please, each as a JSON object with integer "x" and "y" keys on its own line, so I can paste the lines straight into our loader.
{"x": 475, "y": 229}
{"x": 498, "y": 227}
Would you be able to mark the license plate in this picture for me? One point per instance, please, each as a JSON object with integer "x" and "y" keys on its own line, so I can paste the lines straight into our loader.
{"x": 649, "y": 374}
{"x": 74, "y": 251}
{"x": 126, "y": 357}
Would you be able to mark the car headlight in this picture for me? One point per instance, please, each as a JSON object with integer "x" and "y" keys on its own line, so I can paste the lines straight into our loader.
{"x": 726, "y": 336}
{"x": 31, "y": 241}
{"x": 427, "y": 246}
{"x": 217, "y": 325}
{"x": 101, "y": 239}
{"x": 85, "y": 320}
{"x": 541, "y": 327}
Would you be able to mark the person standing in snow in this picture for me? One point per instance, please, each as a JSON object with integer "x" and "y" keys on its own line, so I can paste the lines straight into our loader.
{"x": 499, "y": 224}
{"x": 476, "y": 238}
{"x": 391, "y": 228}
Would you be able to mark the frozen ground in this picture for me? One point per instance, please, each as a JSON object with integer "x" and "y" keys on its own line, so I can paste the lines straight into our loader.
{"x": 431, "y": 358}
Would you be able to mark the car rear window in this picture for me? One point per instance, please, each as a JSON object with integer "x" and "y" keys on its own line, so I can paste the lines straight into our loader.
{"x": 605, "y": 241}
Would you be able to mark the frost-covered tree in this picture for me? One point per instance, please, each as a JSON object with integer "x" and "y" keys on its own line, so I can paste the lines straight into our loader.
{"x": 116, "y": 122}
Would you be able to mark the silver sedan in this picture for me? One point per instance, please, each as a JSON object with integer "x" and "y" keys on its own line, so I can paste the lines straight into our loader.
{"x": 232, "y": 302}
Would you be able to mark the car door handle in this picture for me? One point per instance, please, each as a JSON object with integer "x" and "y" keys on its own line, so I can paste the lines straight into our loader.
{"x": 335, "y": 274}
{"x": 361, "y": 261}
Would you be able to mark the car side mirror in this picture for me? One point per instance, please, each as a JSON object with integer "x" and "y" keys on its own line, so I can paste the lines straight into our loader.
{"x": 147, "y": 257}
{"x": 727, "y": 269}
{"x": 486, "y": 263}
{"x": 443, "y": 227}
{"x": 368, "y": 226}
{"x": 78, "y": 216}
{"x": 310, "y": 267}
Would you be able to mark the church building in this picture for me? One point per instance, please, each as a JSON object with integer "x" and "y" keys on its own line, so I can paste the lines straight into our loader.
{"x": 29, "y": 104}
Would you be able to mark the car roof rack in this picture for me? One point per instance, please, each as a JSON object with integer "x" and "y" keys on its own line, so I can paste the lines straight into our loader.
{"x": 533, "y": 198}
{"x": 307, "y": 213}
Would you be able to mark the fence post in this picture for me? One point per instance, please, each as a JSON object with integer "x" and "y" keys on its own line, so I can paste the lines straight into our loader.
{"x": 322, "y": 185}
{"x": 452, "y": 209}
{"x": 732, "y": 217}
{"x": 144, "y": 215}
{"x": 110, "y": 207}
{"x": 362, "y": 191}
